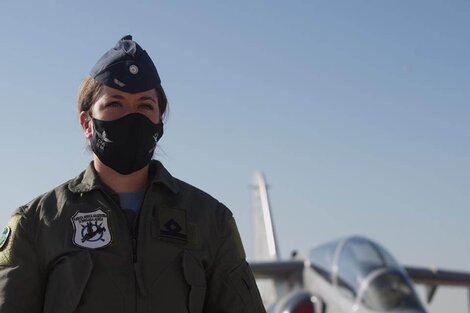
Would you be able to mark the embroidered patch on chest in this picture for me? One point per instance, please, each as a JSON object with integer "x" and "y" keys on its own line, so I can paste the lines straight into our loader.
{"x": 173, "y": 225}
{"x": 91, "y": 229}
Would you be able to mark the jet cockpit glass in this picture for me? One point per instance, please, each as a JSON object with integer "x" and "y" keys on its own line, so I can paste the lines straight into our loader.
{"x": 388, "y": 290}
{"x": 366, "y": 273}
{"x": 322, "y": 259}
{"x": 355, "y": 259}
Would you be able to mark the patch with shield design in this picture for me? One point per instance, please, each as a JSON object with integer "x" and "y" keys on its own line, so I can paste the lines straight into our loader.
{"x": 91, "y": 229}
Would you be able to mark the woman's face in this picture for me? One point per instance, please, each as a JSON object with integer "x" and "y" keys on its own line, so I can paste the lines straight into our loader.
{"x": 113, "y": 104}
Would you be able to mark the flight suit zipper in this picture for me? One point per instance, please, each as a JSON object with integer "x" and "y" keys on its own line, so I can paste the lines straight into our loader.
{"x": 134, "y": 249}
{"x": 139, "y": 285}
{"x": 137, "y": 271}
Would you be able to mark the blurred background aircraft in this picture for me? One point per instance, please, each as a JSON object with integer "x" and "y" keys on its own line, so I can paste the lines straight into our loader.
{"x": 353, "y": 274}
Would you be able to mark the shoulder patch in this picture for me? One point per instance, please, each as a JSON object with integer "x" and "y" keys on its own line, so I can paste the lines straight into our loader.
{"x": 4, "y": 236}
{"x": 91, "y": 229}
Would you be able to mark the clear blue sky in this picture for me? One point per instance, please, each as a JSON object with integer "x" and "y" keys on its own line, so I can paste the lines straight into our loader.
{"x": 357, "y": 111}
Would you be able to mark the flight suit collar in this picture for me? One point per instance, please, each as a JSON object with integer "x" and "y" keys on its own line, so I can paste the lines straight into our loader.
{"x": 89, "y": 180}
{"x": 160, "y": 175}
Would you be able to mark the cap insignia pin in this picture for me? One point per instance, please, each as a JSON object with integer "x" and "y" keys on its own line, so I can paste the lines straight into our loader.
{"x": 119, "y": 83}
{"x": 133, "y": 69}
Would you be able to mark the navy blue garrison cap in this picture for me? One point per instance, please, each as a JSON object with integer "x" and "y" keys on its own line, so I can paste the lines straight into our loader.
{"x": 126, "y": 67}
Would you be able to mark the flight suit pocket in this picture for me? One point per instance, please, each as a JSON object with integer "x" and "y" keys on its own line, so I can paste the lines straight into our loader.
{"x": 195, "y": 277}
{"x": 242, "y": 281}
{"x": 66, "y": 283}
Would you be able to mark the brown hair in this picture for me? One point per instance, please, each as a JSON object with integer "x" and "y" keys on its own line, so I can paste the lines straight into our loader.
{"x": 90, "y": 89}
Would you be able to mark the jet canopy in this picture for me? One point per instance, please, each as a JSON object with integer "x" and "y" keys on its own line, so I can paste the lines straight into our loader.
{"x": 365, "y": 272}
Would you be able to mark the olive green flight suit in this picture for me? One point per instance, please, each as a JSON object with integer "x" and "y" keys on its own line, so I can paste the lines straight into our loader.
{"x": 71, "y": 250}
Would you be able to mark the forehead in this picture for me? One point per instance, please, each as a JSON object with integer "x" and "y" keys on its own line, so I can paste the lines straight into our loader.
{"x": 107, "y": 92}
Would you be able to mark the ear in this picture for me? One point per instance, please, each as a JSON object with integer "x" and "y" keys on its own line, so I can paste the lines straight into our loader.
{"x": 87, "y": 124}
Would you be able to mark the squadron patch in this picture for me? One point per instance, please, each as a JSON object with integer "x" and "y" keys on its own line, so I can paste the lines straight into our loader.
{"x": 6, "y": 239}
{"x": 91, "y": 229}
{"x": 4, "y": 236}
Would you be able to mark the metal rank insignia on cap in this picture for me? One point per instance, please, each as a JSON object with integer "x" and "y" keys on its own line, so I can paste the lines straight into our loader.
{"x": 134, "y": 69}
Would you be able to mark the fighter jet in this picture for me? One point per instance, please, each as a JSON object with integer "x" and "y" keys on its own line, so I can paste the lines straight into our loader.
{"x": 348, "y": 275}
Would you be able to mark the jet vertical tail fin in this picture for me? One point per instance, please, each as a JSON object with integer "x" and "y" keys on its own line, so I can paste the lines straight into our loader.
{"x": 265, "y": 245}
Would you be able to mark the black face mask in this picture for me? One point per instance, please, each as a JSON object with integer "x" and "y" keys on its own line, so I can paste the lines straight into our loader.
{"x": 127, "y": 144}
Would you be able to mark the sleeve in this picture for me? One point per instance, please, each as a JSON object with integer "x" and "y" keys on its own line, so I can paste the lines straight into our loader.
{"x": 231, "y": 285}
{"x": 21, "y": 286}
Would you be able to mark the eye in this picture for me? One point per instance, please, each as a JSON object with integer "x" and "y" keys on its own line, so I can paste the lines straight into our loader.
{"x": 146, "y": 106}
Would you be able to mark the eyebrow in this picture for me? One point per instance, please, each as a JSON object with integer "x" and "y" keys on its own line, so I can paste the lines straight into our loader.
{"x": 117, "y": 97}
{"x": 141, "y": 98}
{"x": 147, "y": 98}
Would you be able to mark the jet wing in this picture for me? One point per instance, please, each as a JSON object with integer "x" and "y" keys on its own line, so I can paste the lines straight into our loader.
{"x": 433, "y": 278}
{"x": 437, "y": 277}
{"x": 278, "y": 270}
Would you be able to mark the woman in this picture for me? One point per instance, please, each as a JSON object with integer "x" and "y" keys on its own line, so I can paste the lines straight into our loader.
{"x": 124, "y": 235}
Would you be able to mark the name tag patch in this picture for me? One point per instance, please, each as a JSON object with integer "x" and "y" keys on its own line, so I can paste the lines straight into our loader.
{"x": 91, "y": 229}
